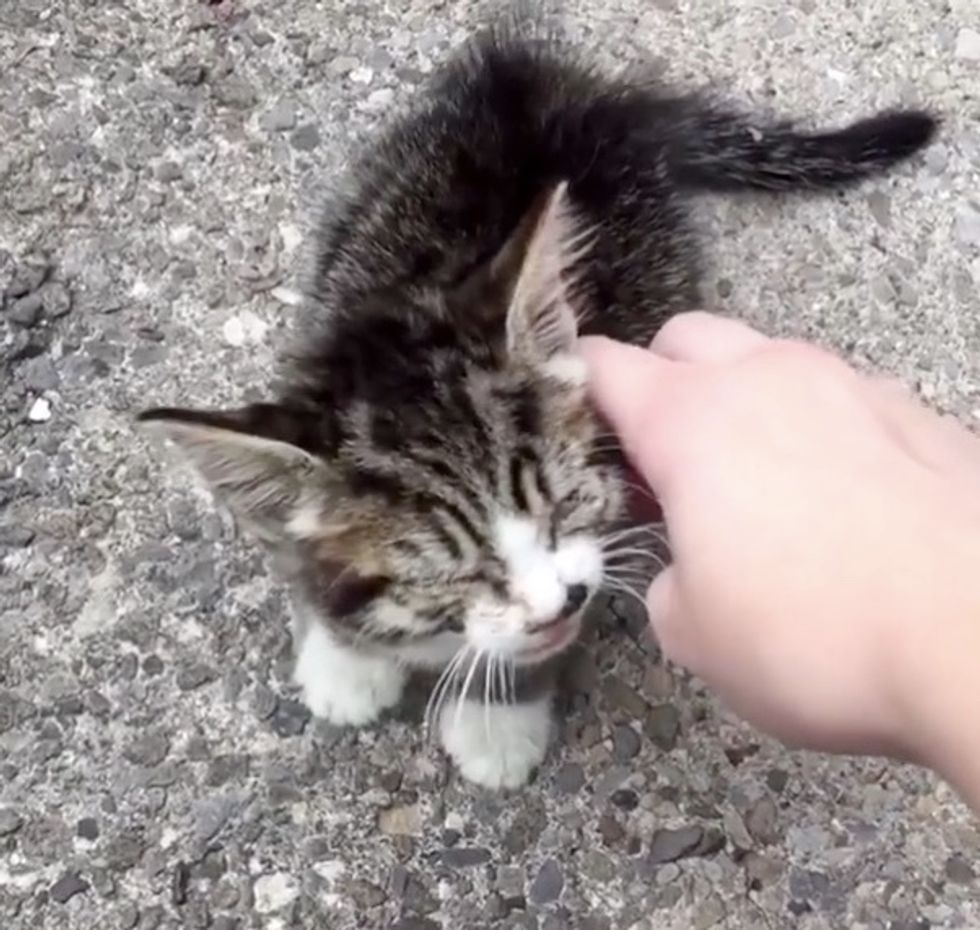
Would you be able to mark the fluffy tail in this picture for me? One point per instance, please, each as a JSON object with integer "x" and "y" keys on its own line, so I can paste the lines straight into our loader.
{"x": 722, "y": 151}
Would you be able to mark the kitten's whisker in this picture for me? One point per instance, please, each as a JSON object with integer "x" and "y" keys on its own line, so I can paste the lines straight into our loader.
{"x": 633, "y": 555}
{"x": 628, "y": 571}
{"x": 487, "y": 666}
{"x": 642, "y": 551}
{"x": 461, "y": 698}
{"x": 639, "y": 529}
{"x": 432, "y": 704}
{"x": 453, "y": 688}
{"x": 629, "y": 592}
{"x": 647, "y": 568}
{"x": 624, "y": 573}
{"x": 639, "y": 488}
{"x": 625, "y": 531}
{"x": 439, "y": 691}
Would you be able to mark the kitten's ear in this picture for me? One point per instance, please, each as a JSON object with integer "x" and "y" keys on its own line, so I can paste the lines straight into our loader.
{"x": 540, "y": 259}
{"x": 273, "y": 487}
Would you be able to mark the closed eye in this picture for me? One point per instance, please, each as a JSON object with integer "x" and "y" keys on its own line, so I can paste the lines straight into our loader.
{"x": 529, "y": 485}
{"x": 574, "y": 512}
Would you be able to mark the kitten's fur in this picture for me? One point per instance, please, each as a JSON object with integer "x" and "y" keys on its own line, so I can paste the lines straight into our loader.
{"x": 429, "y": 479}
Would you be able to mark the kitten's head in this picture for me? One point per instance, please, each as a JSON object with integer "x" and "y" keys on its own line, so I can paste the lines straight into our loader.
{"x": 435, "y": 470}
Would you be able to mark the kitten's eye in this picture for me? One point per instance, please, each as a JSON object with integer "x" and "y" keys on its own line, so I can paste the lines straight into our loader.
{"x": 529, "y": 485}
{"x": 350, "y": 592}
{"x": 573, "y": 512}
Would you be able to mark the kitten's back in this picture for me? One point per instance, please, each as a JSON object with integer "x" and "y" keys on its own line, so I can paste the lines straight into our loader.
{"x": 516, "y": 112}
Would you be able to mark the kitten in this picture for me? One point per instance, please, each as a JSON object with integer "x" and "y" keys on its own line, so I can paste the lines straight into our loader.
{"x": 430, "y": 480}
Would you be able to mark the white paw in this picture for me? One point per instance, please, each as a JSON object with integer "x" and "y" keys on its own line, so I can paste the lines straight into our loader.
{"x": 497, "y": 746}
{"x": 344, "y": 686}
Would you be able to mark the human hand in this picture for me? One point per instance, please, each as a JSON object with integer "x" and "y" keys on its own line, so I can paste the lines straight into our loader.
{"x": 825, "y": 532}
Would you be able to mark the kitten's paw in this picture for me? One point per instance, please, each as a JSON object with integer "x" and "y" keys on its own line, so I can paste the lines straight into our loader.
{"x": 500, "y": 746}
{"x": 344, "y": 686}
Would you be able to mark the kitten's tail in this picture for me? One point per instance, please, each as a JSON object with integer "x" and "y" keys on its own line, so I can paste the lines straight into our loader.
{"x": 724, "y": 151}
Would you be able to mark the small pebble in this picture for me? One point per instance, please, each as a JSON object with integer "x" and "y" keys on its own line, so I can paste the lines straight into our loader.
{"x": 28, "y": 279}
{"x": 967, "y": 45}
{"x": 26, "y": 312}
{"x": 760, "y": 870}
{"x": 195, "y": 675}
{"x": 40, "y": 411}
{"x": 959, "y": 871}
{"x": 246, "y": 328}
{"x": 671, "y": 845}
{"x": 69, "y": 885}
{"x": 465, "y": 857}
{"x": 10, "y": 821}
{"x": 626, "y": 744}
{"x": 404, "y": 820}
{"x": 290, "y": 718}
{"x": 761, "y": 821}
{"x": 280, "y": 117}
{"x": 967, "y": 224}
{"x": 168, "y": 171}
{"x": 662, "y": 725}
{"x": 569, "y": 778}
{"x": 147, "y": 749}
{"x": 880, "y": 205}
{"x": 736, "y": 829}
{"x": 625, "y": 799}
{"x": 548, "y": 884}
{"x": 87, "y": 828}
{"x": 342, "y": 64}
{"x": 15, "y": 537}
{"x": 189, "y": 73}
{"x": 306, "y": 138}
{"x": 610, "y": 829}
{"x": 286, "y": 295}
{"x": 274, "y": 892}
{"x": 710, "y": 914}
{"x": 264, "y": 702}
{"x": 777, "y": 779}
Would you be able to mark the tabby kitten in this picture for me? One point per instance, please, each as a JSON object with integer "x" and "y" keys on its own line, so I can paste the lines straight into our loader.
{"x": 430, "y": 480}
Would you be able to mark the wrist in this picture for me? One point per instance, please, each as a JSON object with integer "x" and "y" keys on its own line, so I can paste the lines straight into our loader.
{"x": 941, "y": 668}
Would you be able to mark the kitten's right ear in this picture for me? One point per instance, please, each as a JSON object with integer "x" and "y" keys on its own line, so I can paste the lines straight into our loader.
{"x": 274, "y": 488}
{"x": 540, "y": 260}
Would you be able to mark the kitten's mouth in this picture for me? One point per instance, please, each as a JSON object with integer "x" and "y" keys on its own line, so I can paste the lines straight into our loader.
{"x": 553, "y": 639}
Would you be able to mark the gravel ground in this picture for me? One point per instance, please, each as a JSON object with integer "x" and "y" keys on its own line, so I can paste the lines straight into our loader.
{"x": 158, "y": 166}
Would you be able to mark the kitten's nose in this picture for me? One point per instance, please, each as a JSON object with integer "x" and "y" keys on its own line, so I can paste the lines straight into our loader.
{"x": 575, "y": 596}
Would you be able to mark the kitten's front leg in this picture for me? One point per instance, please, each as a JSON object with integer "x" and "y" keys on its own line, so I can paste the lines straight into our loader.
{"x": 344, "y": 685}
{"x": 498, "y": 745}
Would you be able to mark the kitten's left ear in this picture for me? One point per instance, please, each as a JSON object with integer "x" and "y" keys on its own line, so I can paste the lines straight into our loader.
{"x": 542, "y": 254}
{"x": 247, "y": 459}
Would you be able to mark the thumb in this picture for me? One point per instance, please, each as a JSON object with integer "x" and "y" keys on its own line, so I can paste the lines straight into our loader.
{"x": 631, "y": 387}
{"x": 666, "y": 616}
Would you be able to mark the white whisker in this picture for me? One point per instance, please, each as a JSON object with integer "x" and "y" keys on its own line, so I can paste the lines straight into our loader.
{"x": 441, "y": 688}
{"x": 461, "y": 697}
{"x": 487, "y": 666}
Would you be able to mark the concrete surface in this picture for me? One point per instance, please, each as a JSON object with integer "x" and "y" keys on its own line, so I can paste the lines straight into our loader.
{"x": 157, "y": 161}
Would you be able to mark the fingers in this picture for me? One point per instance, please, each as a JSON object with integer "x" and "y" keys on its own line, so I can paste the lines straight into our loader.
{"x": 632, "y": 388}
{"x": 704, "y": 337}
{"x": 664, "y": 610}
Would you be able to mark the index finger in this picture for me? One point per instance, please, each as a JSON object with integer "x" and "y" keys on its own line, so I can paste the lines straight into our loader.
{"x": 632, "y": 388}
